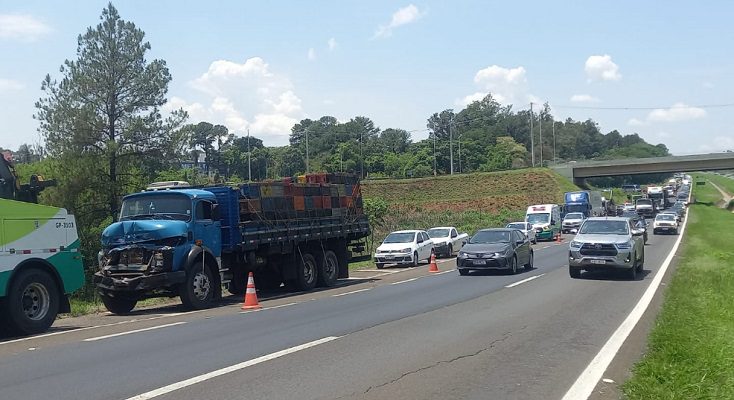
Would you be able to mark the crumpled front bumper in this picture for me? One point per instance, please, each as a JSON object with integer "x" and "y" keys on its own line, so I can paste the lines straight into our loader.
{"x": 140, "y": 283}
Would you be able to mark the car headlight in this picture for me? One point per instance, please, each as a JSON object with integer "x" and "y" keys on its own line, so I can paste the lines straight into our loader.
{"x": 462, "y": 255}
{"x": 496, "y": 255}
{"x": 576, "y": 245}
{"x": 405, "y": 250}
{"x": 623, "y": 246}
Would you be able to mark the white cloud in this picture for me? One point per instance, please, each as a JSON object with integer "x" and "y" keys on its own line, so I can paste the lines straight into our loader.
{"x": 635, "y": 122}
{"x": 403, "y": 16}
{"x": 602, "y": 68}
{"x": 678, "y": 112}
{"x": 9, "y": 85}
{"x": 311, "y": 54}
{"x": 244, "y": 96}
{"x": 332, "y": 44}
{"x": 22, "y": 27}
{"x": 507, "y": 86}
{"x": 584, "y": 98}
{"x": 719, "y": 143}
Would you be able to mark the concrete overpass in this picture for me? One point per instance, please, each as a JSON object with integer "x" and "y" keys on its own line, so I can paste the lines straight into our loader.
{"x": 579, "y": 171}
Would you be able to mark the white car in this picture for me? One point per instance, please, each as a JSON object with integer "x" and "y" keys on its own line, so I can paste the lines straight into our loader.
{"x": 526, "y": 228}
{"x": 404, "y": 248}
{"x": 665, "y": 222}
{"x": 447, "y": 240}
{"x": 572, "y": 222}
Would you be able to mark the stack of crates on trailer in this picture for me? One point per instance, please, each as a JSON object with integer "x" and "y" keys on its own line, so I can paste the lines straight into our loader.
{"x": 311, "y": 197}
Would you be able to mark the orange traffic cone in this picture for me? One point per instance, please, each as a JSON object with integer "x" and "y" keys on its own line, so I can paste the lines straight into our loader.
{"x": 433, "y": 267}
{"x": 251, "y": 295}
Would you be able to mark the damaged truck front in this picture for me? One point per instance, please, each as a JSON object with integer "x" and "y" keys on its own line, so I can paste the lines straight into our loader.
{"x": 166, "y": 243}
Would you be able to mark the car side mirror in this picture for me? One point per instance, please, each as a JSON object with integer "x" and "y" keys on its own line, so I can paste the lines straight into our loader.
{"x": 453, "y": 235}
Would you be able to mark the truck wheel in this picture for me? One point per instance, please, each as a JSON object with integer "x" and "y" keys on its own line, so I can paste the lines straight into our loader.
{"x": 379, "y": 265}
{"x": 451, "y": 251}
{"x": 575, "y": 273}
{"x": 118, "y": 305}
{"x": 328, "y": 269}
{"x": 32, "y": 302}
{"x": 306, "y": 274}
{"x": 198, "y": 290}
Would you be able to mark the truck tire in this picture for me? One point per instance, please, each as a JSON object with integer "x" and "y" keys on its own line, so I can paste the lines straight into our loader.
{"x": 306, "y": 274}
{"x": 379, "y": 265}
{"x": 32, "y": 302}
{"x": 197, "y": 292}
{"x": 574, "y": 272}
{"x": 328, "y": 269}
{"x": 118, "y": 305}
{"x": 451, "y": 251}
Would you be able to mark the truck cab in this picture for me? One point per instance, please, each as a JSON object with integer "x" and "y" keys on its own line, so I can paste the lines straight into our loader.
{"x": 165, "y": 240}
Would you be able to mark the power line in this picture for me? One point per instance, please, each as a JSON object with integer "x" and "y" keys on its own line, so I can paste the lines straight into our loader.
{"x": 673, "y": 107}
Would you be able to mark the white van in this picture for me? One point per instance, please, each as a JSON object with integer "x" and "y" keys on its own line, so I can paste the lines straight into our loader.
{"x": 546, "y": 220}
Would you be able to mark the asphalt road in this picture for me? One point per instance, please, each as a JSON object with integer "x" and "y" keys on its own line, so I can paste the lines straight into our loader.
{"x": 397, "y": 333}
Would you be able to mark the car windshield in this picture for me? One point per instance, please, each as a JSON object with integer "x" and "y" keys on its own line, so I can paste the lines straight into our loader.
{"x": 605, "y": 227}
{"x": 438, "y": 233}
{"x": 574, "y": 216}
{"x": 538, "y": 218}
{"x": 518, "y": 225}
{"x": 665, "y": 217}
{"x": 400, "y": 237}
{"x": 483, "y": 237}
{"x": 163, "y": 206}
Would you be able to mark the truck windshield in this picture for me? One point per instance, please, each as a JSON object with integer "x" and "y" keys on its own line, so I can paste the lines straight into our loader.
{"x": 438, "y": 233}
{"x": 644, "y": 202}
{"x": 163, "y": 206}
{"x": 538, "y": 218}
{"x": 403, "y": 237}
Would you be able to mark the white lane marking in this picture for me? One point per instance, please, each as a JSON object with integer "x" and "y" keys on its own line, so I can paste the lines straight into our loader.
{"x": 268, "y": 308}
{"x": 586, "y": 382}
{"x": 352, "y": 292}
{"x": 210, "y": 375}
{"x": 444, "y": 272}
{"x": 86, "y": 328}
{"x": 405, "y": 281}
{"x": 543, "y": 248}
{"x": 94, "y": 339}
{"x": 524, "y": 281}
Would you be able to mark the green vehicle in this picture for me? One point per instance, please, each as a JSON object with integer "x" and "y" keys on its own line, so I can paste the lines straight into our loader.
{"x": 40, "y": 263}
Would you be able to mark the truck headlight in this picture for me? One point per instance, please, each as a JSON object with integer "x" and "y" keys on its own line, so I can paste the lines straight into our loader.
{"x": 102, "y": 259}
{"x": 624, "y": 245}
{"x": 576, "y": 245}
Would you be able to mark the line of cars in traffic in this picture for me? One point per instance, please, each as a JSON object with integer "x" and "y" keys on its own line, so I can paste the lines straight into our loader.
{"x": 619, "y": 242}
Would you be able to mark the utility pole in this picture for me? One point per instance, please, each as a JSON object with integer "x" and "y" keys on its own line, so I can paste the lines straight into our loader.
{"x": 435, "y": 171}
{"x": 459, "y": 153}
{"x": 532, "y": 143}
{"x": 249, "y": 158}
{"x": 306, "y": 132}
{"x": 451, "y": 144}
{"x": 361, "y": 157}
{"x": 540, "y": 123}
{"x": 554, "y": 142}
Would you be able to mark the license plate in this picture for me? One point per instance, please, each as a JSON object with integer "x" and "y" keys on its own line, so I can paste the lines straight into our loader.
{"x": 479, "y": 262}
{"x": 389, "y": 256}
{"x": 598, "y": 261}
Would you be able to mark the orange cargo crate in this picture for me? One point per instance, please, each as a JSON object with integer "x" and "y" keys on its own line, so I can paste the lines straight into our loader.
{"x": 299, "y": 203}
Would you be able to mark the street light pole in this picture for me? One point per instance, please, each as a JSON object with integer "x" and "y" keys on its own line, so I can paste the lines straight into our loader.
{"x": 459, "y": 153}
{"x": 540, "y": 125}
{"x": 435, "y": 171}
{"x": 532, "y": 143}
{"x": 554, "y": 142}
{"x": 306, "y": 150}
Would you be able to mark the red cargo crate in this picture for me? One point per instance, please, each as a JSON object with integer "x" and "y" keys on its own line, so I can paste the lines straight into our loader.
{"x": 318, "y": 202}
{"x": 299, "y": 203}
{"x": 326, "y": 201}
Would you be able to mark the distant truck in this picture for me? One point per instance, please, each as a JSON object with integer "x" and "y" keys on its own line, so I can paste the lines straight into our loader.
{"x": 447, "y": 240}
{"x": 646, "y": 207}
{"x": 587, "y": 202}
{"x": 189, "y": 242}
{"x": 658, "y": 195}
{"x": 39, "y": 248}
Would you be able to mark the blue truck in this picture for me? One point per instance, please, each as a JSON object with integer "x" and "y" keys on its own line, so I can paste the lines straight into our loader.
{"x": 173, "y": 240}
{"x": 577, "y": 202}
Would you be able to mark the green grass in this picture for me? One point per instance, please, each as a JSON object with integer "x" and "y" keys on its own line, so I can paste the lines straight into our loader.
{"x": 80, "y": 306}
{"x": 691, "y": 348}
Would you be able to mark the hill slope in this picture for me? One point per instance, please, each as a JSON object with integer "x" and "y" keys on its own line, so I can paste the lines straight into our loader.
{"x": 469, "y": 202}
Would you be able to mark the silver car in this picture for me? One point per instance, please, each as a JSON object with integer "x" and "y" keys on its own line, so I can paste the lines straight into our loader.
{"x": 526, "y": 228}
{"x": 572, "y": 221}
{"x": 607, "y": 243}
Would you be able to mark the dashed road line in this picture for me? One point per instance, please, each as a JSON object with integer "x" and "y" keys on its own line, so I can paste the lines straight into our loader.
{"x": 405, "y": 281}
{"x": 524, "y": 281}
{"x": 352, "y": 292}
{"x": 94, "y": 339}
{"x": 210, "y": 375}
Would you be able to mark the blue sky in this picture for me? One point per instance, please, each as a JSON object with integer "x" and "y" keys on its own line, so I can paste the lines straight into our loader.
{"x": 265, "y": 65}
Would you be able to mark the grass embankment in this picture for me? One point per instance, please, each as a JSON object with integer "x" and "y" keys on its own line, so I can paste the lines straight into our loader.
{"x": 691, "y": 347}
{"x": 468, "y": 201}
